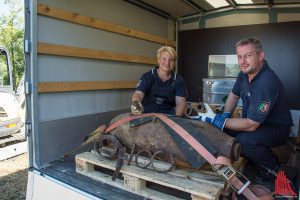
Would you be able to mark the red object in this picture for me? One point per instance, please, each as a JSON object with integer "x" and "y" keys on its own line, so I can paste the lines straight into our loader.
{"x": 282, "y": 185}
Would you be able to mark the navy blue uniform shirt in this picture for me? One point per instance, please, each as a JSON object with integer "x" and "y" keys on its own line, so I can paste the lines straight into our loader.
{"x": 160, "y": 96}
{"x": 264, "y": 98}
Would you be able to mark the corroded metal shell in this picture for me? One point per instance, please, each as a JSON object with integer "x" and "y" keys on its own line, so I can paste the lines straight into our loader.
{"x": 153, "y": 136}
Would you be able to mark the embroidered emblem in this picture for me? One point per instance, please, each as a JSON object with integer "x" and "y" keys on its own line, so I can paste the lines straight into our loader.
{"x": 263, "y": 106}
{"x": 159, "y": 100}
{"x": 138, "y": 83}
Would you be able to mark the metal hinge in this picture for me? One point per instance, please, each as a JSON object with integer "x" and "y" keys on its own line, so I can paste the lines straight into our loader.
{"x": 27, "y": 87}
{"x": 27, "y": 4}
{"x": 27, "y": 46}
{"x": 28, "y": 129}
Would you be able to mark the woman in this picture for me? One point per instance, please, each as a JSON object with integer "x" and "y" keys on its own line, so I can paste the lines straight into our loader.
{"x": 161, "y": 90}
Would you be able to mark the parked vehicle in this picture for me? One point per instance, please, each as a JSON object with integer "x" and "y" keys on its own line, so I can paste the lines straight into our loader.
{"x": 10, "y": 119}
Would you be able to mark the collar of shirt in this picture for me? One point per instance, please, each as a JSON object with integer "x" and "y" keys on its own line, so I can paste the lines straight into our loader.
{"x": 154, "y": 72}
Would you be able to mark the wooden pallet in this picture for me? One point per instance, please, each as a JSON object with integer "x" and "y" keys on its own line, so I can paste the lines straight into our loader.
{"x": 199, "y": 184}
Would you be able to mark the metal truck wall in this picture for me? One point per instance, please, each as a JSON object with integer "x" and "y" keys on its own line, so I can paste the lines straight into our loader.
{"x": 60, "y": 120}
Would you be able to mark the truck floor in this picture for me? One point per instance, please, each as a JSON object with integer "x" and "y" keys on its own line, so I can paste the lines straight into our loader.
{"x": 65, "y": 172}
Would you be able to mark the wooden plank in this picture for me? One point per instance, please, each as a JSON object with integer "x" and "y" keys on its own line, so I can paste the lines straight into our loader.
{"x": 201, "y": 189}
{"x": 146, "y": 192}
{"x": 45, "y": 87}
{"x": 77, "y": 18}
{"x": 63, "y": 50}
{"x": 204, "y": 176}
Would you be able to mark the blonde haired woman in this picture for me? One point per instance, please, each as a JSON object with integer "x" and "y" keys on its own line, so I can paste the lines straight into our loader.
{"x": 161, "y": 90}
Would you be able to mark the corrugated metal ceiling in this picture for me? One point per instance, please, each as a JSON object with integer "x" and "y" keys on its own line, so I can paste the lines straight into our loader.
{"x": 175, "y": 9}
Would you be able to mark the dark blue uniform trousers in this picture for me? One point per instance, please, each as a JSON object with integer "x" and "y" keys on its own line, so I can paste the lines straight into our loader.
{"x": 256, "y": 145}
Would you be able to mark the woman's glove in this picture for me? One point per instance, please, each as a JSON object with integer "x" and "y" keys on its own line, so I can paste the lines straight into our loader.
{"x": 217, "y": 120}
{"x": 137, "y": 108}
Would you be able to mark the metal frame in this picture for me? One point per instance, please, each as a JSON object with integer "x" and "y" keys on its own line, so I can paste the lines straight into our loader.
{"x": 199, "y": 11}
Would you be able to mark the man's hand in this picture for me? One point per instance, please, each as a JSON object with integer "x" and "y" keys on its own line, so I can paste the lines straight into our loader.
{"x": 206, "y": 116}
{"x": 217, "y": 120}
{"x": 137, "y": 108}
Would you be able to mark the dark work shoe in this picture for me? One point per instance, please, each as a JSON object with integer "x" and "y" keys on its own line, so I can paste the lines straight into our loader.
{"x": 266, "y": 176}
{"x": 263, "y": 177}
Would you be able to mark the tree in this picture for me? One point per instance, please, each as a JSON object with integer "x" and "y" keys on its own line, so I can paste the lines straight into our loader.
{"x": 12, "y": 37}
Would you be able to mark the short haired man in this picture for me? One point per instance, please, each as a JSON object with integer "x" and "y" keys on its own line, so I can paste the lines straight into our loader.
{"x": 266, "y": 118}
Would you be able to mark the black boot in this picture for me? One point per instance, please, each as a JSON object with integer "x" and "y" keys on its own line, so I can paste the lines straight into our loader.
{"x": 267, "y": 176}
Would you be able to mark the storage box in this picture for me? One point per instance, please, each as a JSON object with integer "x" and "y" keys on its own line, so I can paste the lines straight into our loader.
{"x": 223, "y": 66}
{"x": 216, "y": 90}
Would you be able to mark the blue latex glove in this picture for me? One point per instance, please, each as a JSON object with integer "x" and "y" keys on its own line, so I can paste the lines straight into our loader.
{"x": 217, "y": 120}
{"x": 226, "y": 115}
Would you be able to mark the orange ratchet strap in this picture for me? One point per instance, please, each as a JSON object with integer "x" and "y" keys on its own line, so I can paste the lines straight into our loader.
{"x": 221, "y": 164}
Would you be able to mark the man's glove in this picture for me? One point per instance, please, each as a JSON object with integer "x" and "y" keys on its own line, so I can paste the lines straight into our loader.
{"x": 217, "y": 120}
{"x": 226, "y": 115}
{"x": 137, "y": 108}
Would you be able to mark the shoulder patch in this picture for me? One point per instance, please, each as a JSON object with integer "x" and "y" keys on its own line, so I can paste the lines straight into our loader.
{"x": 263, "y": 107}
{"x": 138, "y": 83}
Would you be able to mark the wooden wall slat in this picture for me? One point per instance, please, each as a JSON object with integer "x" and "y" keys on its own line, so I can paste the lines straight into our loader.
{"x": 47, "y": 87}
{"x": 62, "y": 50}
{"x": 73, "y": 17}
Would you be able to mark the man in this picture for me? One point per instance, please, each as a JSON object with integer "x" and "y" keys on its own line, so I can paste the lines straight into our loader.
{"x": 161, "y": 90}
{"x": 266, "y": 118}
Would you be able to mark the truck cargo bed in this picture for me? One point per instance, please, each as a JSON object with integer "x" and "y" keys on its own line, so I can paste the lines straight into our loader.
{"x": 91, "y": 173}
{"x": 65, "y": 171}
{"x": 94, "y": 177}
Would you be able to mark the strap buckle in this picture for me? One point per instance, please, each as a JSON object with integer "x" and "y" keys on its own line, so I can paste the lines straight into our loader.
{"x": 225, "y": 171}
{"x": 228, "y": 172}
{"x": 244, "y": 180}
